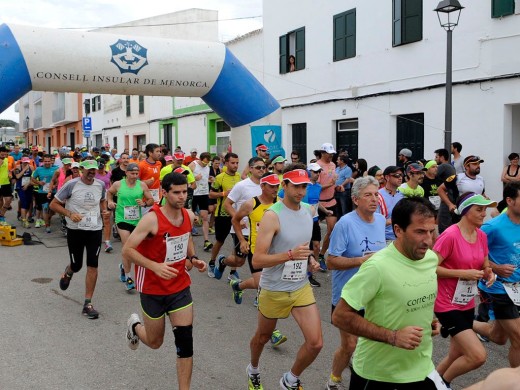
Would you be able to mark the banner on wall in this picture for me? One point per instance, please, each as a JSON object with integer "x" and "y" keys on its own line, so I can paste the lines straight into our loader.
{"x": 270, "y": 136}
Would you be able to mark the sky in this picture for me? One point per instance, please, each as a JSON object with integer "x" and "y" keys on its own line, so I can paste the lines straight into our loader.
{"x": 99, "y": 13}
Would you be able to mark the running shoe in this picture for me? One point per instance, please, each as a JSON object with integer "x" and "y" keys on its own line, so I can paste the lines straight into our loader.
{"x": 207, "y": 246}
{"x": 484, "y": 339}
{"x": 129, "y": 284}
{"x": 285, "y": 385}
{"x": 254, "y": 381}
{"x": 3, "y": 222}
{"x": 65, "y": 279}
{"x": 219, "y": 267}
{"x": 331, "y": 385}
{"x": 323, "y": 264}
{"x": 90, "y": 312}
{"x": 233, "y": 275}
{"x": 30, "y": 219}
{"x": 211, "y": 270}
{"x": 26, "y": 224}
{"x": 115, "y": 233}
{"x": 195, "y": 231}
{"x": 108, "y": 247}
{"x": 211, "y": 231}
{"x": 131, "y": 337}
{"x": 122, "y": 276}
{"x": 313, "y": 282}
{"x": 47, "y": 229}
{"x": 277, "y": 338}
{"x": 39, "y": 223}
{"x": 237, "y": 293}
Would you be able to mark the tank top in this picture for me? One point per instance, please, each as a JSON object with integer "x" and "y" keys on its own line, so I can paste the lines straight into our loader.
{"x": 509, "y": 171}
{"x": 202, "y": 184}
{"x": 61, "y": 178}
{"x": 295, "y": 229}
{"x": 155, "y": 249}
{"x": 127, "y": 209}
{"x": 254, "y": 221}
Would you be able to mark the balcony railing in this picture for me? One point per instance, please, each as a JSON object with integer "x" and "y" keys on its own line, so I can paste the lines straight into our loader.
{"x": 58, "y": 114}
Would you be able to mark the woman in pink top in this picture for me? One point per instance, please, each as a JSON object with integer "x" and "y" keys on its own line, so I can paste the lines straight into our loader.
{"x": 463, "y": 260}
{"x": 104, "y": 176}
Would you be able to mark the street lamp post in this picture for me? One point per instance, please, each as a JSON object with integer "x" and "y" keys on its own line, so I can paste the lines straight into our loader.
{"x": 444, "y": 10}
{"x": 86, "y": 105}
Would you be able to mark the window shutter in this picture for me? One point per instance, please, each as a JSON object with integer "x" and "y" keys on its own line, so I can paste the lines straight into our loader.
{"x": 501, "y": 8}
{"x": 412, "y": 17}
{"x": 339, "y": 37}
{"x": 350, "y": 34}
{"x": 396, "y": 22}
{"x": 283, "y": 54}
{"x": 300, "y": 48}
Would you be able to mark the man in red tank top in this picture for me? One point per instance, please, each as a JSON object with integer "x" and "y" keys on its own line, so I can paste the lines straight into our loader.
{"x": 162, "y": 250}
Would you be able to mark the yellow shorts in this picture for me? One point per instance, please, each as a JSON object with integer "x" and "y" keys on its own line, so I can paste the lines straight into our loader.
{"x": 278, "y": 304}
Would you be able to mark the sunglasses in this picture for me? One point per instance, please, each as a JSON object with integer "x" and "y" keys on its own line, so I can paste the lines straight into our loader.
{"x": 259, "y": 167}
{"x": 396, "y": 175}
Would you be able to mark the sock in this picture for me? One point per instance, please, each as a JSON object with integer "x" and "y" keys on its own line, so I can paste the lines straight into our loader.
{"x": 445, "y": 381}
{"x": 87, "y": 301}
{"x": 128, "y": 276}
{"x": 335, "y": 379}
{"x": 107, "y": 242}
{"x": 233, "y": 271}
{"x": 290, "y": 378}
{"x": 212, "y": 262}
{"x": 133, "y": 327}
{"x": 252, "y": 370}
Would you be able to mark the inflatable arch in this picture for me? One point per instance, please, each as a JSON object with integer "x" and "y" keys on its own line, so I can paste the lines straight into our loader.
{"x": 41, "y": 59}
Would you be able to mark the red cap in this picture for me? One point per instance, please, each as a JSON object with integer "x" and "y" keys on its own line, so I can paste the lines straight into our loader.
{"x": 263, "y": 148}
{"x": 178, "y": 156}
{"x": 297, "y": 176}
{"x": 26, "y": 159}
{"x": 168, "y": 158}
{"x": 272, "y": 180}
{"x": 181, "y": 170}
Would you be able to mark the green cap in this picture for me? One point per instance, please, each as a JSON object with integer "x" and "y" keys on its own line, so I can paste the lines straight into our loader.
{"x": 89, "y": 164}
{"x": 279, "y": 159}
{"x": 430, "y": 164}
{"x": 66, "y": 161}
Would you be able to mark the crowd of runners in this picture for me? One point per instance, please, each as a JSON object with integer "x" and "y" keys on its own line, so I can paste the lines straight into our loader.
{"x": 409, "y": 247}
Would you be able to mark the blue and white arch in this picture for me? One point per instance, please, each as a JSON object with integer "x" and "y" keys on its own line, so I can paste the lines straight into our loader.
{"x": 41, "y": 59}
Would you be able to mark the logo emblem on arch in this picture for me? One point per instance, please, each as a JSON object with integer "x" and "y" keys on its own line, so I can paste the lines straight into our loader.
{"x": 129, "y": 56}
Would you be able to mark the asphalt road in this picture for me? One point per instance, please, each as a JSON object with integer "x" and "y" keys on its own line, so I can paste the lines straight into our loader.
{"x": 46, "y": 343}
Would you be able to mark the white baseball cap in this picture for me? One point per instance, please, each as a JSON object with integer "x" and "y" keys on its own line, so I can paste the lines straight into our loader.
{"x": 327, "y": 148}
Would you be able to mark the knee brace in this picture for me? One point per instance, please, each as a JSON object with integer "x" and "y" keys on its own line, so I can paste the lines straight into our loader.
{"x": 184, "y": 340}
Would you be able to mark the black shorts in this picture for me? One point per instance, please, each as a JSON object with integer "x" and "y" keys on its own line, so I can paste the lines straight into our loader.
{"x": 252, "y": 269}
{"x": 80, "y": 240}
{"x": 357, "y": 382}
{"x": 316, "y": 232}
{"x": 6, "y": 191}
{"x": 126, "y": 226}
{"x": 41, "y": 199}
{"x": 456, "y": 321}
{"x": 334, "y": 210}
{"x": 211, "y": 202}
{"x": 200, "y": 201}
{"x": 156, "y": 306}
{"x": 502, "y": 305}
{"x": 222, "y": 228}
{"x": 236, "y": 243}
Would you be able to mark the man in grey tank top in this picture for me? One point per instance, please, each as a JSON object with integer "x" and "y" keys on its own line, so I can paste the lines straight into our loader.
{"x": 282, "y": 250}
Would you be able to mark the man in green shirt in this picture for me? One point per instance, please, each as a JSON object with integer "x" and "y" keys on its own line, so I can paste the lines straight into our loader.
{"x": 397, "y": 287}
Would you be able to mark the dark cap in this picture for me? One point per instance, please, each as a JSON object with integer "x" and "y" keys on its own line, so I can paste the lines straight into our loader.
{"x": 95, "y": 149}
{"x": 414, "y": 167}
{"x": 472, "y": 159}
{"x": 373, "y": 170}
{"x": 392, "y": 169}
{"x": 132, "y": 167}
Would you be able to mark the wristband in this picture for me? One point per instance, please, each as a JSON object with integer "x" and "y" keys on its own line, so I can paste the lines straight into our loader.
{"x": 394, "y": 337}
{"x": 192, "y": 257}
{"x": 289, "y": 253}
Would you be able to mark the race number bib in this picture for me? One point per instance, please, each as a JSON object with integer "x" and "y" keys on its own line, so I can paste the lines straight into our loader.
{"x": 513, "y": 291}
{"x": 155, "y": 195}
{"x": 294, "y": 271}
{"x": 176, "y": 248}
{"x": 131, "y": 213}
{"x": 46, "y": 187}
{"x": 465, "y": 292}
{"x": 89, "y": 220}
{"x": 435, "y": 201}
{"x": 26, "y": 180}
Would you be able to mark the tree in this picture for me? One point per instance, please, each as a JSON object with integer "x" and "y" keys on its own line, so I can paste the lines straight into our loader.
{"x": 7, "y": 123}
